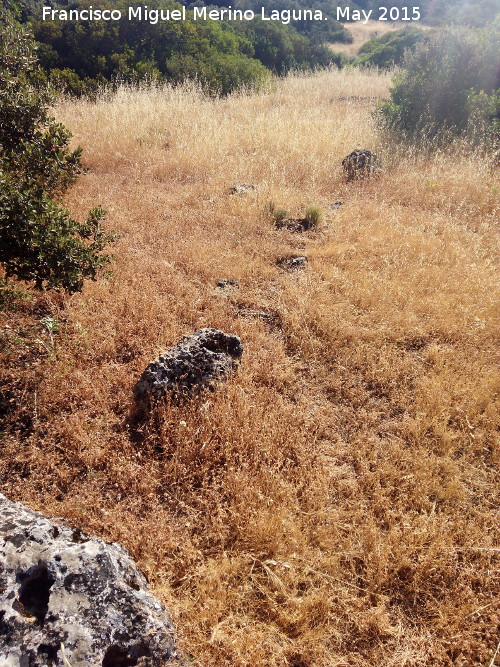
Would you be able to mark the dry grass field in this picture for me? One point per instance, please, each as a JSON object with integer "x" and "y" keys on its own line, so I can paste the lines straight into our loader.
{"x": 335, "y": 503}
{"x": 361, "y": 32}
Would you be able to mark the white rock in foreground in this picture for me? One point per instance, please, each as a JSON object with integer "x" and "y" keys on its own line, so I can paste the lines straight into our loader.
{"x": 60, "y": 586}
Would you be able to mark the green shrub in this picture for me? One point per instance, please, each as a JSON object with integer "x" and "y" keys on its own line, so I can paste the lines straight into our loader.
{"x": 280, "y": 215}
{"x": 313, "y": 216}
{"x": 79, "y": 56}
{"x": 39, "y": 242}
{"x": 281, "y": 48}
{"x": 67, "y": 82}
{"x": 448, "y": 88}
{"x": 220, "y": 74}
{"x": 389, "y": 49}
{"x": 484, "y": 118}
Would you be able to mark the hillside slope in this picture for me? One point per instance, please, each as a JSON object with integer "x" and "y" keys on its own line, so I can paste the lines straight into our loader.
{"x": 335, "y": 503}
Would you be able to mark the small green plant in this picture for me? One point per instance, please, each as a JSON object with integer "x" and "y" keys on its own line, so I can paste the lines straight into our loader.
{"x": 280, "y": 215}
{"x": 51, "y": 327}
{"x": 314, "y": 216}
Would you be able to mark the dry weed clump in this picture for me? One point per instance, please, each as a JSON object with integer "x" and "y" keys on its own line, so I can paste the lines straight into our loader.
{"x": 335, "y": 503}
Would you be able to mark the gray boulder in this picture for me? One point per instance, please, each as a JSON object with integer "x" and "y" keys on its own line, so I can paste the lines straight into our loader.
{"x": 60, "y": 586}
{"x": 225, "y": 284}
{"x": 292, "y": 263}
{"x": 294, "y": 224}
{"x": 242, "y": 189}
{"x": 198, "y": 362}
{"x": 359, "y": 164}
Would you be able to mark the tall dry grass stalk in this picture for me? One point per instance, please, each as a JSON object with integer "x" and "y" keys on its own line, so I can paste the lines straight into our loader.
{"x": 335, "y": 503}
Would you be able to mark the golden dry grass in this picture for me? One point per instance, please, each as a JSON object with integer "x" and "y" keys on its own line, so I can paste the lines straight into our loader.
{"x": 336, "y": 502}
{"x": 362, "y": 32}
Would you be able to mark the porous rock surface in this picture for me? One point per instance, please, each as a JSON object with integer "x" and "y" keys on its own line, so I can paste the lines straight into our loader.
{"x": 292, "y": 263}
{"x": 198, "y": 362}
{"x": 225, "y": 288}
{"x": 294, "y": 224}
{"x": 361, "y": 163}
{"x": 242, "y": 189}
{"x": 60, "y": 586}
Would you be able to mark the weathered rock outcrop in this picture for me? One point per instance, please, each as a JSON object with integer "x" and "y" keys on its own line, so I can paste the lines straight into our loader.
{"x": 224, "y": 284}
{"x": 198, "y": 362}
{"x": 294, "y": 224}
{"x": 60, "y": 586}
{"x": 360, "y": 164}
{"x": 242, "y": 189}
{"x": 292, "y": 263}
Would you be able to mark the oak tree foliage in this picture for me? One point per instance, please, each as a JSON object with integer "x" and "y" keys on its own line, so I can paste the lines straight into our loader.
{"x": 39, "y": 241}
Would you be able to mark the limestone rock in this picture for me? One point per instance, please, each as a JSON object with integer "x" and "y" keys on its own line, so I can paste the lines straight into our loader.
{"x": 292, "y": 263}
{"x": 223, "y": 284}
{"x": 360, "y": 164}
{"x": 294, "y": 224}
{"x": 198, "y": 362}
{"x": 242, "y": 189}
{"x": 60, "y": 586}
{"x": 225, "y": 288}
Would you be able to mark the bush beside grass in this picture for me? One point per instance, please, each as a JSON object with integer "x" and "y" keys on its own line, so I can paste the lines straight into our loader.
{"x": 79, "y": 57}
{"x": 449, "y": 88}
{"x": 39, "y": 241}
{"x": 389, "y": 49}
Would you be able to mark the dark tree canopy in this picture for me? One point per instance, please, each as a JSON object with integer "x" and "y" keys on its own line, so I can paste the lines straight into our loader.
{"x": 80, "y": 56}
{"x": 389, "y": 49}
